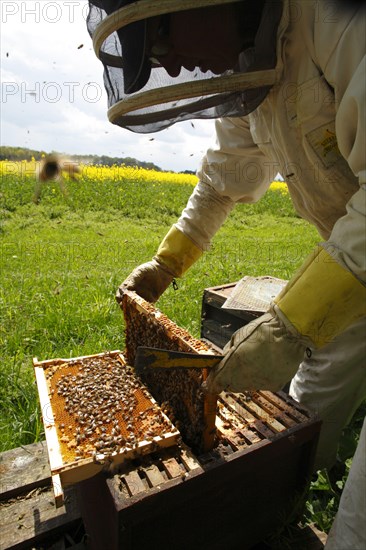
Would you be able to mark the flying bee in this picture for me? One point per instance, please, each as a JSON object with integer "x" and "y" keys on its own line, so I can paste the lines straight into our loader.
{"x": 54, "y": 167}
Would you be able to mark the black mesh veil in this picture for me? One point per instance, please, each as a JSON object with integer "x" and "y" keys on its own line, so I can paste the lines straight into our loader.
{"x": 142, "y": 97}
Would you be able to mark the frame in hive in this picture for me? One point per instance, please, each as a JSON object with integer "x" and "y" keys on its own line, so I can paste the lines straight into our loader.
{"x": 178, "y": 391}
{"x": 96, "y": 414}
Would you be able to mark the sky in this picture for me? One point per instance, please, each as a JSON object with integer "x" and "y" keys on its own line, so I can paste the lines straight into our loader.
{"x": 53, "y": 97}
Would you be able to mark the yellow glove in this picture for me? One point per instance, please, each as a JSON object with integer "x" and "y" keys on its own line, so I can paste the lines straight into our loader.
{"x": 175, "y": 255}
{"x": 322, "y": 299}
{"x": 177, "y": 252}
{"x": 319, "y": 302}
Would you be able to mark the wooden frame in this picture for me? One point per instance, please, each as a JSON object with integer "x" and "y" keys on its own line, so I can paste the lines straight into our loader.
{"x": 64, "y": 473}
{"x": 181, "y": 340}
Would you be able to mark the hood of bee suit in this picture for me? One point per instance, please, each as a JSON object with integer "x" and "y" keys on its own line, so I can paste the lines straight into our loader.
{"x": 143, "y": 98}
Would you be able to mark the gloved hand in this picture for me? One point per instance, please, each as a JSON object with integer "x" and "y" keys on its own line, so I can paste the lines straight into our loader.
{"x": 320, "y": 301}
{"x": 149, "y": 280}
{"x": 264, "y": 354}
{"x": 175, "y": 255}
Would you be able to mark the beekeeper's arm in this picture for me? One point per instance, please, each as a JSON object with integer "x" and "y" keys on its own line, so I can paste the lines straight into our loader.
{"x": 234, "y": 171}
{"x": 328, "y": 294}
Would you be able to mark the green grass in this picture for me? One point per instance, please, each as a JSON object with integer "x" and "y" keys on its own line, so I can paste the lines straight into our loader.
{"x": 62, "y": 261}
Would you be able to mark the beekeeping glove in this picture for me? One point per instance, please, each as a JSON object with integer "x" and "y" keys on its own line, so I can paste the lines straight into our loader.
{"x": 319, "y": 302}
{"x": 205, "y": 212}
{"x": 175, "y": 255}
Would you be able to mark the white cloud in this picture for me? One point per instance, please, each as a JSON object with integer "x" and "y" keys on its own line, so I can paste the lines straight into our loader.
{"x": 53, "y": 96}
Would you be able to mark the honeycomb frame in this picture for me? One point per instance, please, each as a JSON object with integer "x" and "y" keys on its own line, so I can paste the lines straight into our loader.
{"x": 178, "y": 390}
{"x": 85, "y": 432}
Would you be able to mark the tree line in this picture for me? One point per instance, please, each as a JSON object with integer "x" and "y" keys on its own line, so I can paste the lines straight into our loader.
{"x": 22, "y": 153}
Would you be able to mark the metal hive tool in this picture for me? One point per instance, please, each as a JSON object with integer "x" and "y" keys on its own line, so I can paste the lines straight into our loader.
{"x": 179, "y": 390}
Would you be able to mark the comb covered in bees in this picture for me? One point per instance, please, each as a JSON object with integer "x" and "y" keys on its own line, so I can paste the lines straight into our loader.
{"x": 177, "y": 390}
{"x": 96, "y": 413}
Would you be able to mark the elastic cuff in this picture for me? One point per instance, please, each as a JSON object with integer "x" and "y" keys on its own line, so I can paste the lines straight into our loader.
{"x": 177, "y": 252}
{"x": 322, "y": 299}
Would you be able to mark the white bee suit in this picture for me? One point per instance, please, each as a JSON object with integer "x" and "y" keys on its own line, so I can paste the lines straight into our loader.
{"x": 311, "y": 129}
{"x": 349, "y": 527}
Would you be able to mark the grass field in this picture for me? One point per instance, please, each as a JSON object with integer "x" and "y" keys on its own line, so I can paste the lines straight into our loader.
{"x": 63, "y": 259}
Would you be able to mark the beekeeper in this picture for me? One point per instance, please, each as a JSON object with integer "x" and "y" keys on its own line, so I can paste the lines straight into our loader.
{"x": 286, "y": 83}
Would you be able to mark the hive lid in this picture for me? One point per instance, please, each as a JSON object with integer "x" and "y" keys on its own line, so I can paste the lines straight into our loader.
{"x": 96, "y": 414}
{"x": 254, "y": 294}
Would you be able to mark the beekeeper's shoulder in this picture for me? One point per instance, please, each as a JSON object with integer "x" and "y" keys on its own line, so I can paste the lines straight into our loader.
{"x": 339, "y": 31}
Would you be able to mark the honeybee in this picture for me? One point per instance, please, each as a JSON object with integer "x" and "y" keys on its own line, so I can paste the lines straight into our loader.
{"x": 54, "y": 167}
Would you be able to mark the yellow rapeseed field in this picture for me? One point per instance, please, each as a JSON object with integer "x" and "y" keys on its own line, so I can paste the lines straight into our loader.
{"x": 99, "y": 174}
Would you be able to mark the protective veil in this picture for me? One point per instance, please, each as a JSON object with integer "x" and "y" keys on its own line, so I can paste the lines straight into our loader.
{"x": 142, "y": 97}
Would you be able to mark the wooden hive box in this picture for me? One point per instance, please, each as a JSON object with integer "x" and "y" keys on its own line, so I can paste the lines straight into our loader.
{"x": 218, "y": 323}
{"x": 232, "y": 497}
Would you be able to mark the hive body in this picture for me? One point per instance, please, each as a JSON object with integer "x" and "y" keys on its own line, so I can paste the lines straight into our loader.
{"x": 244, "y": 488}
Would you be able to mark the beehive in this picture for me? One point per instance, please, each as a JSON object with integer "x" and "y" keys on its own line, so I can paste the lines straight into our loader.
{"x": 96, "y": 413}
{"x": 178, "y": 391}
{"x": 244, "y": 489}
